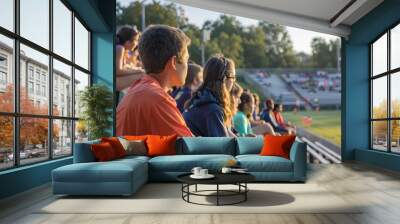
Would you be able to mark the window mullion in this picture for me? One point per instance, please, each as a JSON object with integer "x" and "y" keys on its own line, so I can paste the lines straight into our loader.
{"x": 50, "y": 81}
{"x": 16, "y": 84}
{"x": 73, "y": 82}
{"x": 389, "y": 106}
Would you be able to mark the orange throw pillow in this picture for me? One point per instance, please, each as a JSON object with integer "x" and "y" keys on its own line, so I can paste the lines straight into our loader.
{"x": 161, "y": 145}
{"x": 116, "y": 145}
{"x": 277, "y": 145}
{"x": 103, "y": 152}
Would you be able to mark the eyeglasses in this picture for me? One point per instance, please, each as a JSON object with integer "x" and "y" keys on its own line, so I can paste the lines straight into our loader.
{"x": 231, "y": 77}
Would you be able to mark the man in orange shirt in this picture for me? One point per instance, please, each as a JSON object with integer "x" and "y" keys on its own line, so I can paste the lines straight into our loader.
{"x": 147, "y": 108}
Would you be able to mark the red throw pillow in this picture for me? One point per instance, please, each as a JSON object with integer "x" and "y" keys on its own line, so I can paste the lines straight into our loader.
{"x": 161, "y": 145}
{"x": 103, "y": 152}
{"x": 116, "y": 145}
{"x": 135, "y": 137}
{"x": 277, "y": 145}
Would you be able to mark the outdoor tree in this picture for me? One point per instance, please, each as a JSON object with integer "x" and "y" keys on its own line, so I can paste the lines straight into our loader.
{"x": 194, "y": 33}
{"x": 279, "y": 46}
{"x": 33, "y": 130}
{"x": 254, "y": 47}
{"x": 264, "y": 45}
{"x": 156, "y": 13}
{"x": 324, "y": 53}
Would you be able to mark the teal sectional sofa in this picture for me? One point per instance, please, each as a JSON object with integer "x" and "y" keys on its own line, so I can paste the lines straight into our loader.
{"x": 125, "y": 176}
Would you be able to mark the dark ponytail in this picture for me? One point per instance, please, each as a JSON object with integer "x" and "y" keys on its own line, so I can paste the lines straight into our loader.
{"x": 126, "y": 33}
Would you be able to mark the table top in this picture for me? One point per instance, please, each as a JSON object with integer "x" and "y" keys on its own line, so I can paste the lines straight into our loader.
{"x": 220, "y": 178}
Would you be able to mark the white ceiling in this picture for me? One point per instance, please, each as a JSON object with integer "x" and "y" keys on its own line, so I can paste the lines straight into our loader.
{"x": 315, "y": 15}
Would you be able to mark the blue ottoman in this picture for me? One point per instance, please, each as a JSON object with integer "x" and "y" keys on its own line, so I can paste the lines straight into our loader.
{"x": 118, "y": 177}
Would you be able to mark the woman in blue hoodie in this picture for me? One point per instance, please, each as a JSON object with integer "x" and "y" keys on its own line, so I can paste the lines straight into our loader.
{"x": 208, "y": 112}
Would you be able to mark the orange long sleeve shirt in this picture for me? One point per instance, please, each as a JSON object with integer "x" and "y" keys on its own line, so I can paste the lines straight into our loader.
{"x": 148, "y": 109}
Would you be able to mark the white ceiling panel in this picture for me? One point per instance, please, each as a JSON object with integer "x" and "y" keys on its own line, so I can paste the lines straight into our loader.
{"x": 327, "y": 16}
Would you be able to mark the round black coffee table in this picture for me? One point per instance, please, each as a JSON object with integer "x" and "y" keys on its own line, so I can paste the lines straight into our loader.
{"x": 238, "y": 179}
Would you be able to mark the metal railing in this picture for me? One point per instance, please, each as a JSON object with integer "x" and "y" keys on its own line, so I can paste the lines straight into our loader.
{"x": 318, "y": 153}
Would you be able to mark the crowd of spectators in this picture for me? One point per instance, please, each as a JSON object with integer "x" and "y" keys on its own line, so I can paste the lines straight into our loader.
{"x": 167, "y": 94}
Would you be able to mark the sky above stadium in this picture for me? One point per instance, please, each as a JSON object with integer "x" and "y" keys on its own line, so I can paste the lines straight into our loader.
{"x": 301, "y": 38}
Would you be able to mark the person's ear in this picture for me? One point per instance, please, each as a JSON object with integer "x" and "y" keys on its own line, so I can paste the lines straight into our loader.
{"x": 172, "y": 62}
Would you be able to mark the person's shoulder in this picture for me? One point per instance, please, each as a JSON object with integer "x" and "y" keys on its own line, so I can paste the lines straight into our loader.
{"x": 214, "y": 109}
{"x": 119, "y": 48}
{"x": 239, "y": 115}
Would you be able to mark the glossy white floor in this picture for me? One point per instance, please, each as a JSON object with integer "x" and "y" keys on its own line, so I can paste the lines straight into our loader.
{"x": 379, "y": 190}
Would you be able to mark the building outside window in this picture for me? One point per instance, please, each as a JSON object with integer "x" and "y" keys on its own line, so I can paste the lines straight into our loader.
{"x": 34, "y": 55}
{"x": 30, "y": 87}
{"x": 43, "y": 90}
{"x": 30, "y": 72}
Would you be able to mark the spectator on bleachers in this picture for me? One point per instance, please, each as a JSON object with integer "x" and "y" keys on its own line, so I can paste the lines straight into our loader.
{"x": 242, "y": 119}
{"x": 147, "y": 108}
{"x": 268, "y": 116}
{"x": 193, "y": 81}
{"x": 278, "y": 109}
{"x": 209, "y": 110}
{"x": 256, "y": 112}
{"x": 236, "y": 92}
{"x": 126, "y": 61}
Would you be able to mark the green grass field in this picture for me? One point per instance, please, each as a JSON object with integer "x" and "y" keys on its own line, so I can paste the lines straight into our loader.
{"x": 325, "y": 124}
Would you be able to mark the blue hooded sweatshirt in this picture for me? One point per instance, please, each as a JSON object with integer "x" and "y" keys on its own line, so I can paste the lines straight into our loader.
{"x": 181, "y": 96}
{"x": 205, "y": 117}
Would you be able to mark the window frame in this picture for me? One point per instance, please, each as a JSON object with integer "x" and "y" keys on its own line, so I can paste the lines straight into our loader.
{"x": 388, "y": 74}
{"x": 16, "y": 114}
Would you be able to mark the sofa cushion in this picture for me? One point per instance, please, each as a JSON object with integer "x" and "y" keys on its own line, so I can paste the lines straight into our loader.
{"x": 116, "y": 145}
{"x": 134, "y": 147}
{"x": 185, "y": 163}
{"x": 249, "y": 145}
{"x": 103, "y": 152}
{"x": 112, "y": 171}
{"x": 206, "y": 145}
{"x": 277, "y": 145}
{"x": 161, "y": 145}
{"x": 257, "y": 163}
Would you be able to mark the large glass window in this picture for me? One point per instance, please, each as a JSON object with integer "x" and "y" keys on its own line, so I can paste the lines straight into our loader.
{"x": 6, "y": 142}
{"x": 81, "y": 81}
{"x": 7, "y": 14}
{"x": 33, "y": 140}
{"x": 395, "y": 47}
{"x": 40, "y": 124}
{"x": 35, "y": 21}
{"x": 62, "y": 91}
{"x": 7, "y": 74}
{"x": 385, "y": 94}
{"x": 62, "y": 137}
{"x": 81, "y": 45}
{"x": 62, "y": 29}
{"x": 41, "y": 64}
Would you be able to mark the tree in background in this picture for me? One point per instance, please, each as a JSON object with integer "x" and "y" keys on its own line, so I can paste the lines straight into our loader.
{"x": 279, "y": 46}
{"x": 194, "y": 33}
{"x": 324, "y": 54}
{"x": 264, "y": 45}
{"x": 33, "y": 131}
{"x": 254, "y": 48}
{"x": 156, "y": 13}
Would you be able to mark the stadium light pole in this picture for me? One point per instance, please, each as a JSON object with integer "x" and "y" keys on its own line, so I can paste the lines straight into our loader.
{"x": 339, "y": 58}
{"x": 143, "y": 14}
{"x": 205, "y": 38}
